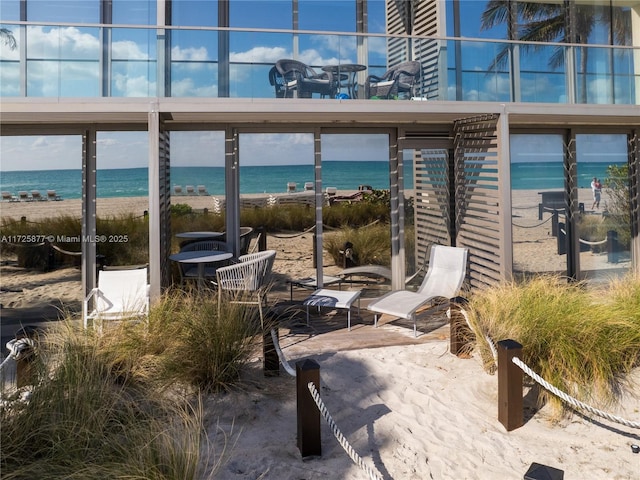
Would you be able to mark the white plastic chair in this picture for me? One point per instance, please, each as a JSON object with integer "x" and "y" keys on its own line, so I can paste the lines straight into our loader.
{"x": 444, "y": 277}
{"x": 120, "y": 295}
{"x": 248, "y": 278}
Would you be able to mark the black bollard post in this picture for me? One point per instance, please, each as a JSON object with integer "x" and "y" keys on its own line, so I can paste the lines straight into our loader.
{"x": 309, "y": 441}
{"x": 271, "y": 366}
{"x": 458, "y": 329}
{"x": 612, "y": 246}
{"x": 554, "y": 223}
{"x": 510, "y": 376}
{"x": 262, "y": 240}
{"x": 313, "y": 255}
{"x": 562, "y": 239}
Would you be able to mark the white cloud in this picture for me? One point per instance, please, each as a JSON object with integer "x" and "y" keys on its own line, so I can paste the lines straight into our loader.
{"x": 198, "y": 54}
{"x": 260, "y": 55}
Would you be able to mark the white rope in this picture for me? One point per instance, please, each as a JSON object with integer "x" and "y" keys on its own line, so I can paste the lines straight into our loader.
{"x": 283, "y": 360}
{"x": 373, "y": 474}
{"x": 16, "y": 347}
{"x": 572, "y": 401}
{"x": 586, "y": 242}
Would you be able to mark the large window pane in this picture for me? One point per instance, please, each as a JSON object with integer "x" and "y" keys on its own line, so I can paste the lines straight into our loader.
{"x": 261, "y": 14}
{"x": 86, "y": 11}
{"x": 538, "y": 199}
{"x": 330, "y": 15}
{"x": 135, "y": 12}
{"x": 604, "y": 228}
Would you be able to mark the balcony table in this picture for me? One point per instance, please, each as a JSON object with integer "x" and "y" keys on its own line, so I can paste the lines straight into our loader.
{"x": 350, "y": 69}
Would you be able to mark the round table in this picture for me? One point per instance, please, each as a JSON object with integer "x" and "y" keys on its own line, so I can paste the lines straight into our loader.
{"x": 199, "y": 235}
{"x": 350, "y": 69}
{"x": 200, "y": 257}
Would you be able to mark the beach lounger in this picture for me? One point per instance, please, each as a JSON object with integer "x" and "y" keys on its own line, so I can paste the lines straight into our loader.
{"x": 52, "y": 195}
{"x": 35, "y": 195}
{"x": 190, "y": 190}
{"x": 308, "y": 186}
{"x": 202, "y": 190}
{"x": 291, "y": 187}
{"x": 177, "y": 190}
{"x": 444, "y": 277}
{"x": 9, "y": 197}
{"x": 24, "y": 196}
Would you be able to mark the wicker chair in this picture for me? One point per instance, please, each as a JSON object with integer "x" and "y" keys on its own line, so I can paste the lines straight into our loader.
{"x": 400, "y": 80}
{"x": 301, "y": 81}
{"x": 190, "y": 271}
{"x": 248, "y": 281}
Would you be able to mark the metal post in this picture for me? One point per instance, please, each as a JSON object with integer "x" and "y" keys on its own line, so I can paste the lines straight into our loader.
{"x": 262, "y": 240}
{"x": 612, "y": 246}
{"x": 561, "y": 239}
{"x": 510, "y": 402}
{"x": 309, "y": 441}
{"x": 271, "y": 362}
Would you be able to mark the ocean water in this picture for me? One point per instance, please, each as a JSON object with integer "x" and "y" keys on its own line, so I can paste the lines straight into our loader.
{"x": 344, "y": 175}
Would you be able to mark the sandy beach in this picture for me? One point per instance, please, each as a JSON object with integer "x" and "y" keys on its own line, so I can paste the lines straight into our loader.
{"x": 407, "y": 406}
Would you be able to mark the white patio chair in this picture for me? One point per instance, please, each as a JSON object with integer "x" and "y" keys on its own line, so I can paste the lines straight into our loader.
{"x": 120, "y": 295}
{"x": 248, "y": 281}
{"x": 444, "y": 277}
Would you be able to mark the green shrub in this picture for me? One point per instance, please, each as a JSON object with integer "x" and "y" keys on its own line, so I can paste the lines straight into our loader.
{"x": 86, "y": 421}
{"x": 583, "y": 342}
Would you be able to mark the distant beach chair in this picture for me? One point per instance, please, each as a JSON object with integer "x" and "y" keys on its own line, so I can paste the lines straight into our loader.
{"x": 291, "y": 187}
{"x": 202, "y": 190}
{"x": 35, "y": 195}
{"x": 331, "y": 191}
{"x": 190, "y": 190}
{"x": 52, "y": 195}
{"x": 177, "y": 190}
{"x": 308, "y": 186}
{"x": 24, "y": 196}
{"x": 9, "y": 197}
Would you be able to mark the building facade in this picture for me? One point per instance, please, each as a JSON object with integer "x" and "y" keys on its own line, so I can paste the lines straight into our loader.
{"x": 506, "y": 93}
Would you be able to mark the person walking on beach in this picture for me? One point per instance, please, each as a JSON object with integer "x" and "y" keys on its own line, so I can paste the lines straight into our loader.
{"x": 596, "y": 188}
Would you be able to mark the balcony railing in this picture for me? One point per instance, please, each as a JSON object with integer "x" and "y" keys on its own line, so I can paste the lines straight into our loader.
{"x": 88, "y": 60}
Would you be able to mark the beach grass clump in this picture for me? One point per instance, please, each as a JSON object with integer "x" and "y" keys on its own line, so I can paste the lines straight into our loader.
{"x": 571, "y": 336}
{"x": 124, "y": 239}
{"x": 198, "y": 344}
{"x": 84, "y": 420}
{"x": 371, "y": 245}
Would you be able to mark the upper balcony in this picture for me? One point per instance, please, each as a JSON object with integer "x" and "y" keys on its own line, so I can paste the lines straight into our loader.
{"x": 90, "y": 60}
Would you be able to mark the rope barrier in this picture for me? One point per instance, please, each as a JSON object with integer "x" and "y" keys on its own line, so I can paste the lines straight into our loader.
{"x": 572, "y": 401}
{"x": 16, "y": 347}
{"x": 587, "y": 242}
{"x": 283, "y": 360}
{"x": 532, "y": 226}
{"x": 297, "y": 234}
{"x": 373, "y": 474}
{"x": 492, "y": 346}
{"x": 66, "y": 252}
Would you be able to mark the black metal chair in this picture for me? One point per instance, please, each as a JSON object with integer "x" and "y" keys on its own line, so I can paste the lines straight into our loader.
{"x": 277, "y": 82}
{"x": 398, "y": 81}
{"x": 301, "y": 81}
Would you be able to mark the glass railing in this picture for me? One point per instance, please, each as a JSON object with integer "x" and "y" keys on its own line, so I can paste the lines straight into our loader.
{"x": 97, "y": 61}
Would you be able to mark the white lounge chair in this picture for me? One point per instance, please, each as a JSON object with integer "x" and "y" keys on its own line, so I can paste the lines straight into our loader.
{"x": 36, "y": 195}
{"x": 308, "y": 186}
{"x": 202, "y": 190}
{"x": 291, "y": 187}
{"x": 9, "y": 197}
{"x": 190, "y": 190}
{"x": 444, "y": 277}
{"x": 120, "y": 295}
{"x": 248, "y": 278}
{"x": 177, "y": 190}
{"x": 23, "y": 196}
{"x": 52, "y": 195}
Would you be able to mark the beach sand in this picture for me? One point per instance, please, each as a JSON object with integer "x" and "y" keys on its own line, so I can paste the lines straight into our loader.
{"x": 406, "y": 405}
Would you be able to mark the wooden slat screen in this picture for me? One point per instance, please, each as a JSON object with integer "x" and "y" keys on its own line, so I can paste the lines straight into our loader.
{"x": 165, "y": 207}
{"x": 478, "y": 216}
{"x": 432, "y": 211}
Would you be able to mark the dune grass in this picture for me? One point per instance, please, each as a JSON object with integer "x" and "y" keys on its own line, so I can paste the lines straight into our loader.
{"x": 126, "y": 403}
{"x": 582, "y": 341}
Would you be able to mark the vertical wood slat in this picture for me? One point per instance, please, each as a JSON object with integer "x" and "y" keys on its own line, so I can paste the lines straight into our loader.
{"x": 479, "y": 215}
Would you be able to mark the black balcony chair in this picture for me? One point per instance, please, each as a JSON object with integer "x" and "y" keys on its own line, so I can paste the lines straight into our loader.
{"x": 301, "y": 81}
{"x": 277, "y": 82}
{"x": 398, "y": 81}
